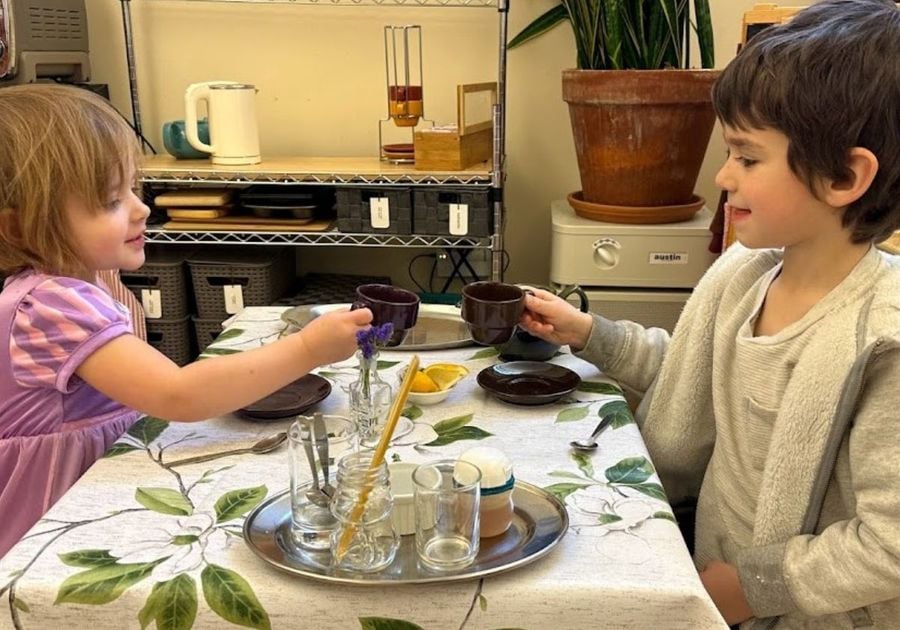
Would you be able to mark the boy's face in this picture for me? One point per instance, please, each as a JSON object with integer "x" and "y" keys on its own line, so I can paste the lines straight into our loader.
{"x": 769, "y": 205}
{"x": 112, "y": 236}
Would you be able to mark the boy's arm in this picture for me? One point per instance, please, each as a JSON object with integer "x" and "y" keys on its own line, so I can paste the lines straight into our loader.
{"x": 853, "y": 562}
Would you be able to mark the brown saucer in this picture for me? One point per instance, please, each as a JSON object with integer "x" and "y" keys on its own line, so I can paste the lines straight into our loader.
{"x": 399, "y": 147}
{"x": 634, "y": 214}
{"x": 291, "y": 400}
{"x": 528, "y": 382}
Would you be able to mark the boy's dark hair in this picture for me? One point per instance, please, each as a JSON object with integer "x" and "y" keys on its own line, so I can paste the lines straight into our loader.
{"x": 829, "y": 79}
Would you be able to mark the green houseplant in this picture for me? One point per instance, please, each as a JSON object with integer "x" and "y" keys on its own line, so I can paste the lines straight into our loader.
{"x": 641, "y": 117}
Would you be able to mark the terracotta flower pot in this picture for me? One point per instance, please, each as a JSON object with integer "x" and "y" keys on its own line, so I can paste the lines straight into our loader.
{"x": 640, "y": 135}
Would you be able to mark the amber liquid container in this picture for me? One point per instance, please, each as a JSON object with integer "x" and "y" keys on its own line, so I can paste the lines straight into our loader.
{"x": 405, "y": 104}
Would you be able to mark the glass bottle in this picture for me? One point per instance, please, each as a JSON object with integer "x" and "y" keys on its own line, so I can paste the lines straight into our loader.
{"x": 370, "y": 400}
{"x": 364, "y": 539}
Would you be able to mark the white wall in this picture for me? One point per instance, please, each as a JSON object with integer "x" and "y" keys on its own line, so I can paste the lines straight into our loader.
{"x": 320, "y": 74}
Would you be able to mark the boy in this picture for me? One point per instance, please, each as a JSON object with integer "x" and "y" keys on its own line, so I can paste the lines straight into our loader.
{"x": 775, "y": 400}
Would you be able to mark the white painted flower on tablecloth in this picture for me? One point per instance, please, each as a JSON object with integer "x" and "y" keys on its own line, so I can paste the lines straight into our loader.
{"x": 612, "y": 513}
{"x": 182, "y": 543}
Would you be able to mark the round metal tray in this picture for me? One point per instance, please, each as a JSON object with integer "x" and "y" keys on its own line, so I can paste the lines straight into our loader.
{"x": 539, "y": 523}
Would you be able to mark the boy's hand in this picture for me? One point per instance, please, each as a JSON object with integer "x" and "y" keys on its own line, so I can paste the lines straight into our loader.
{"x": 553, "y": 319}
{"x": 724, "y": 587}
{"x": 331, "y": 337}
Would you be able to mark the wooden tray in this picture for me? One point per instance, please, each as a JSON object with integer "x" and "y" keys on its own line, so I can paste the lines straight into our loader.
{"x": 242, "y": 219}
{"x": 201, "y": 197}
{"x": 197, "y": 214}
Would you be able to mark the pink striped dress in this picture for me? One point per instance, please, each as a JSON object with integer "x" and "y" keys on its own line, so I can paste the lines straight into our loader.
{"x": 53, "y": 425}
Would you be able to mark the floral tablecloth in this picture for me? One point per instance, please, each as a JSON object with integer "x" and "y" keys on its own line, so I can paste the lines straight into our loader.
{"x": 135, "y": 543}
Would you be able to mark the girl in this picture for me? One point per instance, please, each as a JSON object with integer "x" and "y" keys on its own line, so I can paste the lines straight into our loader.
{"x": 73, "y": 376}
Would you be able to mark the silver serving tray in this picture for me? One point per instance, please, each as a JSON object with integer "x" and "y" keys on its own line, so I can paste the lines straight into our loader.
{"x": 539, "y": 523}
{"x": 438, "y": 327}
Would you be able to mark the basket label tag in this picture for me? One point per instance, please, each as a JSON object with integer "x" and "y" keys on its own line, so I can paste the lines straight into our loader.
{"x": 151, "y": 300}
{"x": 668, "y": 258}
{"x": 234, "y": 298}
{"x": 380, "y": 211}
{"x": 459, "y": 219}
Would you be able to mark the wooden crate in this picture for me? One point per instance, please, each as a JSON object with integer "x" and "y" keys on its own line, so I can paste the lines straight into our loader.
{"x": 458, "y": 147}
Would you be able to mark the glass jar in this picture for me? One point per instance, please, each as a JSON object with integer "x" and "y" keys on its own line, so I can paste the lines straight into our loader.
{"x": 370, "y": 400}
{"x": 364, "y": 539}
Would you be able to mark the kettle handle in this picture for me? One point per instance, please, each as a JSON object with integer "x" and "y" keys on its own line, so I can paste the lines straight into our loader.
{"x": 195, "y": 93}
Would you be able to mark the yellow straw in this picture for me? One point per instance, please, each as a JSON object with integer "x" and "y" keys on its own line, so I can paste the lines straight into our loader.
{"x": 378, "y": 455}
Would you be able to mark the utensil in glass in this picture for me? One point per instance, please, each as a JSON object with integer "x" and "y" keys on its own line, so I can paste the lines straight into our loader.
{"x": 265, "y": 445}
{"x": 321, "y": 436}
{"x": 314, "y": 494}
{"x": 590, "y": 444}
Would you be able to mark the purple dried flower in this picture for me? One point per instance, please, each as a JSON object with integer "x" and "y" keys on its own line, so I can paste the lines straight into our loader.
{"x": 368, "y": 340}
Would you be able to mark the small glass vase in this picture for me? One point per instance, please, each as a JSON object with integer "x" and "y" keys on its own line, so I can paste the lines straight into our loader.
{"x": 370, "y": 400}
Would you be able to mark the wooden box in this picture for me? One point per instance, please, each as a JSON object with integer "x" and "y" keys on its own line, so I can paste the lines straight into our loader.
{"x": 457, "y": 147}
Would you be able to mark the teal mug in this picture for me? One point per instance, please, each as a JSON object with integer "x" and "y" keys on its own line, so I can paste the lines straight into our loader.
{"x": 176, "y": 142}
{"x": 523, "y": 346}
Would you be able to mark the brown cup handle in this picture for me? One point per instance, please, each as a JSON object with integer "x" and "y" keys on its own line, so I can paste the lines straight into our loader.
{"x": 569, "y": 289}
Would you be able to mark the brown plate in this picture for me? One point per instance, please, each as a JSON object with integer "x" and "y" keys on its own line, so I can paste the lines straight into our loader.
{"x": 528, "y": 382}
{"x": 399, "y": 147}
{"x": 290, "y": 400}
{"x": 634, "y": 214}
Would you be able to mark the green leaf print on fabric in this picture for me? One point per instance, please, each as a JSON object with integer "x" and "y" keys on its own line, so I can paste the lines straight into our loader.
{"x": 384, "y": 623}
{"x": 227, "y": 335}
{"x": 665, "y": 515}
{"x": 562, "y": 490}
{"x": 164, "y": 501}
{"x": 620, "y": 412}
{"x": 584, "y": 462}
{"x": 104, "y": 584}
{"x": 573, "y": 414}
{"x": 630, "y": 471}
{"x": 88, "y": 558}
{"x": 456, "y": 429}
{"x": 236, "y": 503}
{"x": 412, "y": 412}
{"x": 606, "y": 519}
{"x": 21, "y": 605}
{"x": 484, "y": 354}
{"x": 600, "y": 388}
{"x": 384, "y": 365}
{"x": 210, "y": 352}
{"x": 119, "y": 448}
{"x": 147, "y": 429}
{"x": 653, "y": 490}
{"x": 230, "y": 596}
{"x": 172, "y": 605}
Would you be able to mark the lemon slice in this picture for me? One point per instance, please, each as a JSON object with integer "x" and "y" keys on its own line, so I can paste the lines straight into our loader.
{"x": 446, "y": 375}
{"x": 423, "y": 383}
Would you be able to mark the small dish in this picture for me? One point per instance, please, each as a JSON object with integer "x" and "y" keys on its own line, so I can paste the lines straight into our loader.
{"x": 528, "y": 382}
{"x": 403, "y": 515}
{"x": 291, "y": 400}
{"x": 433, "y": 398}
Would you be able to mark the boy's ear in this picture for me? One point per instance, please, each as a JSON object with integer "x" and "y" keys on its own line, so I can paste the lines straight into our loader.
{"x": 863, "y": 166}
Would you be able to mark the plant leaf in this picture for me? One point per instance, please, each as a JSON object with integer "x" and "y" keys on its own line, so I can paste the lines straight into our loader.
{"x": 88, "y": 558}
{"x": 452, "y": 423}
{"x": 482, "y": 602}
{"x": 102, "y": 585}
{"x": 562, "y": 490}
{"x": 653, "y": 490}
{"x": 540, "y": 25}
{"x": 630, "y": 471}
{"x": 606, "y": 518}
{"x": 412, "y": 412}
{"x": 230, "y": 596}
{"x": 385, "y": 623}
{"x": 485, "y": 353}
{"x": 164, "y": 501}
{"x": 236, "y": 503}
{"x": 384, "y": 365}
{"x": 620, "y": 412}
{"x": 584, "y": 463}
{"x": 600, "y": 388}
{"x": 227, "y": 334}
{"x": 217, "y": 351}
{"x": 119, "y": 448}
{"x": 668, "y": 516}
{"x": 147, "y": 429}
{"x": 172, "y": 604}
{"x": 19, "y": 603}
{"x": 572, "y": 414}
{"x": 462, "y": 433}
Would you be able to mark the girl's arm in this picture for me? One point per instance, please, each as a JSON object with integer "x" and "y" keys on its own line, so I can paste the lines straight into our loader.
{"x": 135, "y": 374}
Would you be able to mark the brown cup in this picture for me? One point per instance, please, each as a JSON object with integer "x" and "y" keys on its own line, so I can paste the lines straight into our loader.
{"x": 389, "y": 304}
{"x": 492, "y": 311}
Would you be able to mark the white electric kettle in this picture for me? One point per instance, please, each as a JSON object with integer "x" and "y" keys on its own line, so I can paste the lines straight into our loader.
{"x": 233, "y": 134}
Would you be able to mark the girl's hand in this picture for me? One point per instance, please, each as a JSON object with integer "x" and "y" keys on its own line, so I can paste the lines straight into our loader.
{"x": 724, "y": 587}
{"x": 331, "y": 337}
{"x": 553, "y": 319}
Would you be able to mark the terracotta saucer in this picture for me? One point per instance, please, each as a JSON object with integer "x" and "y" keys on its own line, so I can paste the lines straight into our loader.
{"x": 634, "y": 214}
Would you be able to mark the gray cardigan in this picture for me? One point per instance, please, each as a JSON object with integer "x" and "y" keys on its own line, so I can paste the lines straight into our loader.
{"x": 826, "y": 537}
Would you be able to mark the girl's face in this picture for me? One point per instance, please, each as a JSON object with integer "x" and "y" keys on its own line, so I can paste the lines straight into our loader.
{"x": 769, "y": 205}
{"x": 112, "y": 236}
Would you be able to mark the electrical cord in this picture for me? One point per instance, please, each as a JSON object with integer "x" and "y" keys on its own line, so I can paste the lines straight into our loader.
{"x": 409, "y": 270}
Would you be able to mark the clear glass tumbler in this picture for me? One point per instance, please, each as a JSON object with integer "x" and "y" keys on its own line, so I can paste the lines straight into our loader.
{"x": 311, "y": 522}
{"x": 364, "y": 539}
{"x": 447, "y": 499}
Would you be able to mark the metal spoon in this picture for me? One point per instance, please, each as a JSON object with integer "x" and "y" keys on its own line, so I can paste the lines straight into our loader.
{"x": 265, "y": 445}
{"x": 590, "y": 444}
{"x": 314, "y": 494}
{"x": 322, "y": 448}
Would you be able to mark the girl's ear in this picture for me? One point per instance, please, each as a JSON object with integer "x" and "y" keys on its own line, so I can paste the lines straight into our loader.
{"x": 863, "y": 167}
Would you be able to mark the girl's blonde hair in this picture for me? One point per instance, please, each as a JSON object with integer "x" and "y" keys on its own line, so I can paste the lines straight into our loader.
{"x": 56, "y": 142}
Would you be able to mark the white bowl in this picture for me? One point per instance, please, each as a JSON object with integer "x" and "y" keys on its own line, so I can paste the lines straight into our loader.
{"x": 403, "y": 515}
{"x": 429, "y": 398}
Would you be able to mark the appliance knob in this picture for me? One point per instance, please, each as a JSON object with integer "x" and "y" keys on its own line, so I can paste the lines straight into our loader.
{"x": 606, "y": 253}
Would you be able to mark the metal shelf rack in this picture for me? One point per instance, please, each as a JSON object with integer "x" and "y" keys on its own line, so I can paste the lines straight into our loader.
{"x": 162, "y": 170}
